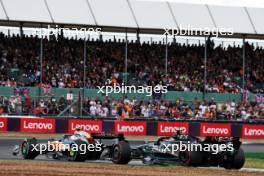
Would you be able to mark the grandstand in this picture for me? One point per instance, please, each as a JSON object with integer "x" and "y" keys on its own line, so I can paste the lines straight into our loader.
{"x": 206, "y": 80}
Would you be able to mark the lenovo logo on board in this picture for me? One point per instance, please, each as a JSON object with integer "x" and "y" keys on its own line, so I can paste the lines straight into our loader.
{"x": 130, "y": 128}
{"x": 90, "y": 126}
{"x": 3, "y": 124}
{"x": 253, "y": 131}
{"x": 215, "y": 129}
{"x": 170, "y": 128}
{"x": 37, "y": 125}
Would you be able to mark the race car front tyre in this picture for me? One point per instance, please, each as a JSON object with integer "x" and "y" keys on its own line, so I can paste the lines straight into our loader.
{"x": 27, "y": 149}
{"x": 237, "y": 161}
{"x": 190, "y": 158}
{"x": 75, "y": 153}
{"x": 121, "y": 153}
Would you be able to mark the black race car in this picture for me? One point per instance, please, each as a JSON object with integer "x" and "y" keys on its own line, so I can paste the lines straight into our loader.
{"x": 78, "y": 148}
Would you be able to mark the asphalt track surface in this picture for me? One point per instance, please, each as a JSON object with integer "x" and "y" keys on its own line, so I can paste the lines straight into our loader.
{"x": 7, "y": 145}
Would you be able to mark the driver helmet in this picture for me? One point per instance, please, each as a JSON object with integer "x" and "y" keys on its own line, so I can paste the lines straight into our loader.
{"x": 82, "y": 133}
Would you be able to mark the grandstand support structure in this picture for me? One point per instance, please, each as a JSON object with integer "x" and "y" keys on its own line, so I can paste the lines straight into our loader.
{"x": 244, "y": 60}
{"x": 80, "y": 102}
{"x": 205, "y": 65}
{"x": 84, "y": 61}
{"x": 166, "y": 55}
{"x": 41, "y": 63}
{"x": 126, "y": 43}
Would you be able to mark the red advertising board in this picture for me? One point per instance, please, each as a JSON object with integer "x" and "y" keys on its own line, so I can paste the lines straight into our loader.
{"x": 44, "y": 125}
{"x": 215, "y": 129}
{"x": 3, "y": 124}
{"x": 253, "y": 131}
{"x": 90, "y": 126}
{"x": 170, "y": 128}
{"x": 131, "y": 127}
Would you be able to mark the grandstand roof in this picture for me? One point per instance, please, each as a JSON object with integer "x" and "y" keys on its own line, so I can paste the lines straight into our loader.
{"x": 131, "y": 15}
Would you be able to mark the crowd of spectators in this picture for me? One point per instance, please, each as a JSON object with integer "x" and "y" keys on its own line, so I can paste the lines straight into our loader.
{"x": 123, "y": 108}
{"x": 63, "y": 64}
{"x": 63, "y": 67}
{"x": 179, "y": 109}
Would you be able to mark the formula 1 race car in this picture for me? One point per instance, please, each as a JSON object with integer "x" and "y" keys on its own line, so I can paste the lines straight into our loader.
{"x": 208, "y": 151}
{"x": 78, "y": 148}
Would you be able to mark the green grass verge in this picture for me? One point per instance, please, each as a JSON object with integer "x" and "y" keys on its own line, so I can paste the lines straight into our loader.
{"x": 254, "y": 160}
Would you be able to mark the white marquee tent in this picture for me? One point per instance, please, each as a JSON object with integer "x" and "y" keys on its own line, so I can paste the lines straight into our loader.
{"x": 131, "y": 15}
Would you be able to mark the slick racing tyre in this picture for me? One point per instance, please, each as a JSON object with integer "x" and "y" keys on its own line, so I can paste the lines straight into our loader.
{"x": 190, "y": 158}
{"x": 27, "y": 149}
{"x": 75, "y": 154}
{"x": 121, "y": 153}
{"x": 237, "y": 161}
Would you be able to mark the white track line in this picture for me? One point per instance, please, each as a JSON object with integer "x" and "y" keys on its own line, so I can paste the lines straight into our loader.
{"x": 252, "y": 170}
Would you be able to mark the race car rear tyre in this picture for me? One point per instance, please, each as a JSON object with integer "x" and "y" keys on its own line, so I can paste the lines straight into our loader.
{"x": 237, "y": 161}
{"x": 121, "y": 153}
{"x": 77, "y": 155}
{"x": 27, "y": 149}
{"x": 190, "y": 158}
